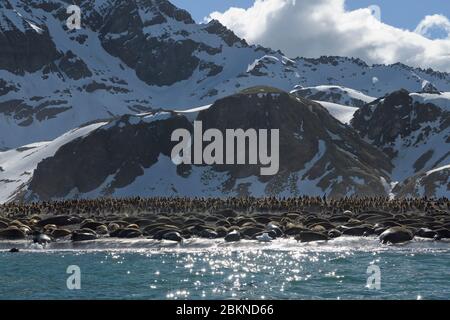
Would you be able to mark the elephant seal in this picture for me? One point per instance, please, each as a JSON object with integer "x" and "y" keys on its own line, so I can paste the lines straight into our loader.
{"x": 61, "y": 220}
{"x": 274, "y": 229}
{"x": 102, "y": 229}
{"x": 120, "y": 223}
{"x": 41, "y": 238}
{"x": 221, "y": 232}
{"x": 223, "y": 223}
{"x": 307, "y": 236}
{"x": 262, "y": 219}
{"x": 358, "y": 231}
{"x": 12, "y": 233}
{"x": 248, "y": 221}
{"x": 340, "y": 219}
{"x": 14, "y": 250}
{"x": 292, "y": 230}
{"x": 208, "y": 234}
{"x": 116, "y": 232}
{"x": 172, "y": 236}
{"x": 161, "y": 232}
{"x": 227, "y": 213}
{"x": 250, "y": 231}
{"x": 132, "y": 226}
{"x": 193, "y": 222}
{"x": 129, "y": 233}
{"x": 427, "y": 233}
{"x": 49, "y": 227}
{"x": 233, "y": 236}
{"x": 91, "y": 224}
{"x": 152, "y": 230}
{"x": 443, "y": 233}
{"x": 83, "y": 235}
{"x": 196, "y": 229}
{"x": 60, "y": 233}
{"x": 264, "y": 237}
{"x": 333, "y": 233}
{"x": 142, "y": 223}
{"x": 113, "y": 227}
{"x": 396, "y": 235}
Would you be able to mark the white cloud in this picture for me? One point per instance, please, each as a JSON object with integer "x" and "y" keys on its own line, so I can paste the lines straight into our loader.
{"x": 433, "y": 23}
{"x": 312, "y": 28}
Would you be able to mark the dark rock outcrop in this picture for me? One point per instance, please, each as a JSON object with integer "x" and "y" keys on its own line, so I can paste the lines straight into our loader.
{"x": 124, "y": 149}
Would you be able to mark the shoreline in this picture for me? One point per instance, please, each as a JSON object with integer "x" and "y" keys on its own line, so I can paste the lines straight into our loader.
{"x": 231, "y": 219}
{"x": 347, "y": 244}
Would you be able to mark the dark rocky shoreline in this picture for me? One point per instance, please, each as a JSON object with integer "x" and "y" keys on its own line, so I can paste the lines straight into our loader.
{"x": 303, "y": 218}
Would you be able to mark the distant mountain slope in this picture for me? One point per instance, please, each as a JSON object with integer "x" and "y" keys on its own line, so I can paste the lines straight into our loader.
{"x": 334, "y": 94}
{"x": 342, "y": 113}
{"x": 131, "y": 155}
{"x": 17, "y": 166}
{"x": 414, "y": 130}
{"x": 433, "y": 183}
{"x": 132, "y": 56}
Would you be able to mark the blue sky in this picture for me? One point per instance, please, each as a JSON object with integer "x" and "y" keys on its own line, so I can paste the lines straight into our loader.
{"x": 404, "y": 14}
{"x": 414, "y": 32}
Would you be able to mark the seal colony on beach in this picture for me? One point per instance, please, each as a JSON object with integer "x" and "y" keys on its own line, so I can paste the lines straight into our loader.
{"x": 233, "y": 219}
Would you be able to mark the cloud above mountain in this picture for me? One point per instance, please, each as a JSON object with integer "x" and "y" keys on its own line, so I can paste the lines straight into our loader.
{"x": 434, "y": 26}
{"x": 312, "y": 28}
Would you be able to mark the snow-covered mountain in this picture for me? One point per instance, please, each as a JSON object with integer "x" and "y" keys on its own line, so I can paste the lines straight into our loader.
{"x": 17, "y": 165}
{"x": 132, "y": 56}
{"x": 432, "y": 183}
{"x": 413, "y": 129}
{"x": 334, "y": 94}
{"x": 131, "y": 155}
{"x": 62, "y": 89}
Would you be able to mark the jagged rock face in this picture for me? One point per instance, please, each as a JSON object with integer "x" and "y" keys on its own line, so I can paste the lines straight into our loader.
{"x": 317, "y": 153}
{"x": 215, "y": 27}
{"x": 123, "y": 35}
{"x": 434, "y": 183}
{"x": 74, "y": 67}
{"x": 306, "y": 131}
{"x": 428, "y": 87}
{"x": 414, "y": 130}
{"x": 106, "y": 68}
{"x": 6, "y": 87}
{"x": 25, "y": 114}
{"x": 393, "y": 116}
{"x": 25, "y": 46}
{"x": 123, "y": 149}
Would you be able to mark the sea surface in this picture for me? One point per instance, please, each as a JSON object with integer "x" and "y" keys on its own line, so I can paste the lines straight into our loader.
{"x": 344, "y": 268}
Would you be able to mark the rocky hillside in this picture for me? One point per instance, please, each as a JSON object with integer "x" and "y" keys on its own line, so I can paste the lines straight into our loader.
{"x": 131, "y": 155}
{"x": 412, "y": 129}
{"x": 131, "y": 56}
{"x": 433, "y": 183}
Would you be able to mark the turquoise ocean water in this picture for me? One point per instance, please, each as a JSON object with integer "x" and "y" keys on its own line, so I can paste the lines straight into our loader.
{"x": 206, "y": 269}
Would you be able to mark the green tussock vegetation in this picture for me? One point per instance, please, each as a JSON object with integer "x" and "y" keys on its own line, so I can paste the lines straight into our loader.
{"x": 261, "y": 89}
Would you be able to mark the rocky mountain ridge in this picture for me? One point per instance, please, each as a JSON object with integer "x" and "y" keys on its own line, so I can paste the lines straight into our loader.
{"x": 131, "y": 56}
{"x": 92, "y": 90}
